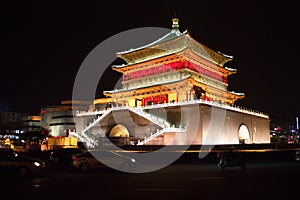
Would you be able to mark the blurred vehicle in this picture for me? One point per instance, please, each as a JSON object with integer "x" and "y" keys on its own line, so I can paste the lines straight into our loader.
{"x": 231, "y": 159}
{"x": 19, "y": 164}
{"x": 229, "y": 162}
{"x": 88, "y": 160}
{"x": 64, "y": 155}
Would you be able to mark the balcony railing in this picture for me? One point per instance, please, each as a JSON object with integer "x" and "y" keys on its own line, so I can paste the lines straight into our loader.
{"x": 189, "y": 102}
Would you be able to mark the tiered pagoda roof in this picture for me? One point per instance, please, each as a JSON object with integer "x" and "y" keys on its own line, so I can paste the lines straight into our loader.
{"x": 177, "y": 50}
{"x": 171, "y": 43}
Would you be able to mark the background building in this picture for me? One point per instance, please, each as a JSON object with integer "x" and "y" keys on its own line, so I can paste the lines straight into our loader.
{"x": 31, "y": 123}
{"x": 11, "y": 121}
{"x": 59, "y": 120}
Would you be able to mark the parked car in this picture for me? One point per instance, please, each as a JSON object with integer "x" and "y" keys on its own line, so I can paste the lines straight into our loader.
{"x": 12, "y": 163}
{"x": 64, "y": 155}
{"x": 88, "y": 160}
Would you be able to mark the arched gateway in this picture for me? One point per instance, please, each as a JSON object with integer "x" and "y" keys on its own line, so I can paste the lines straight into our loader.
{"x": 244, "y": 134}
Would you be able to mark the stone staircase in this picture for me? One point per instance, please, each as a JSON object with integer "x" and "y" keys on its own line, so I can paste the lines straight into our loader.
{"x": 160, "y": 132}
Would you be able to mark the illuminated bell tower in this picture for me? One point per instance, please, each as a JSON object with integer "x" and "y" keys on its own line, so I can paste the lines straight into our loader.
{"x": 174, "y": 68}
{"x": 160, "y": 79}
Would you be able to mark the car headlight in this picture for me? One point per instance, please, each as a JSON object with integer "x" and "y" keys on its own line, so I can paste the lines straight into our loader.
{"x": 37, "y": 164}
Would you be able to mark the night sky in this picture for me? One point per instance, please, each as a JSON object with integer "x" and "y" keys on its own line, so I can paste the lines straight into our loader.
{"x": 43, "y": 44}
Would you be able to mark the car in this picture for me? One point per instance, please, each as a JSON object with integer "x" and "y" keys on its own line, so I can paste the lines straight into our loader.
{"x": 91, "y": 160}
{"x": 12, "y": 163}
{"x": 64, "y": 155}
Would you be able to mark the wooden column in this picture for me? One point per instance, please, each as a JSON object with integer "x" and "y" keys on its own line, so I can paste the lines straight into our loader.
{"x": 186, "y": 95}
{"x": 143, "y": 101}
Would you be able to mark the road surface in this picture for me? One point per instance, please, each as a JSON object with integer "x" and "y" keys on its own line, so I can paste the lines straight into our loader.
{"x": 265, "y": 178}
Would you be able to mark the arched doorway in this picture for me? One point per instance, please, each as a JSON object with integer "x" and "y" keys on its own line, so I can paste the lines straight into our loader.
{"x": 119, "y": 131}
{"x": 119, "y": 135}
{"x": 243, "y": 134}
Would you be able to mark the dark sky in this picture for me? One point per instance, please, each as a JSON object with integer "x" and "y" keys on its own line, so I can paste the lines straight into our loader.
{"x": 43, "y": 44}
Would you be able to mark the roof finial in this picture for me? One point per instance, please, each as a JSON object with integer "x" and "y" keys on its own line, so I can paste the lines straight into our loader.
{"x": 175, "y": 24}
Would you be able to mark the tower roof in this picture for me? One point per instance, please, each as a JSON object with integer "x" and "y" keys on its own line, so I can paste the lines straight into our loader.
{"x": 183, "y": 81}
{"x": 173, "y": 34}
{"x": 173, "y": 42}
